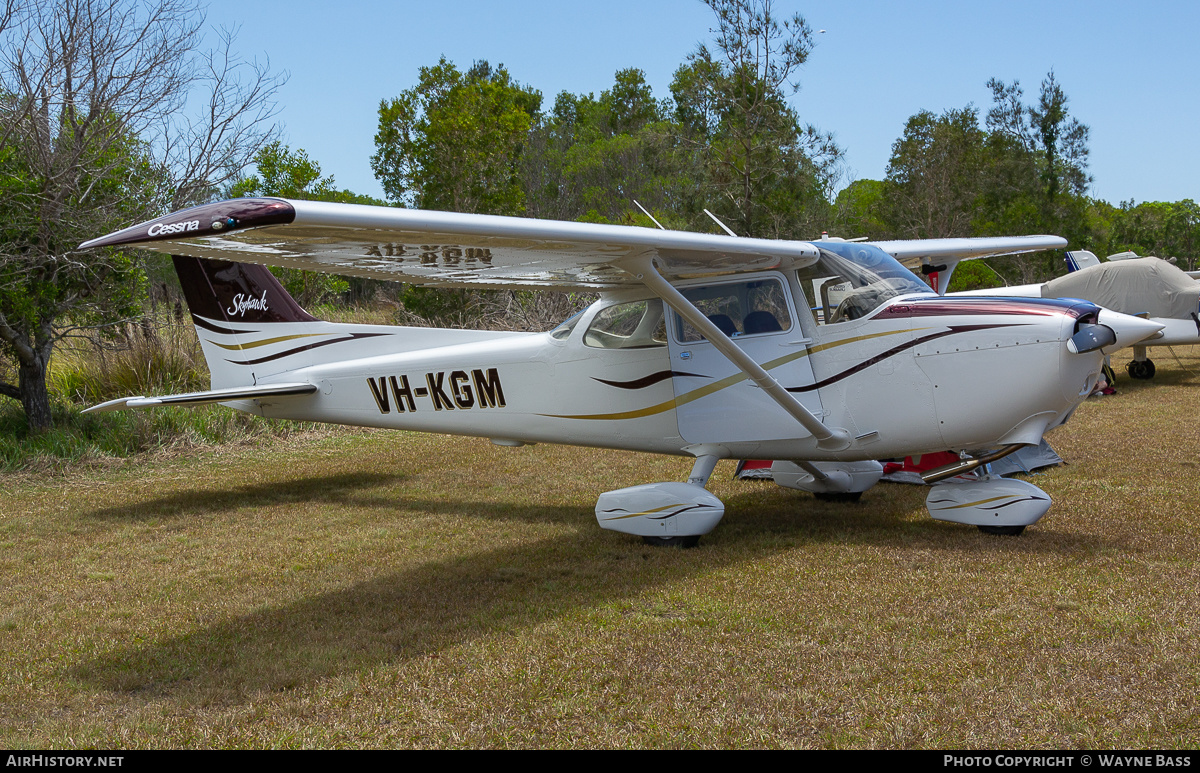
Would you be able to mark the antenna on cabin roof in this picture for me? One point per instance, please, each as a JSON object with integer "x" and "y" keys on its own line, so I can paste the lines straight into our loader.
{"x": 825, "y": 237}
{"x": 647, "y": 214}
{"x": 718, "y": 222}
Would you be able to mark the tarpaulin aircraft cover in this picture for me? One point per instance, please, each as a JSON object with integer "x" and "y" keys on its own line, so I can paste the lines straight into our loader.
{"x": 1149, "y": 285}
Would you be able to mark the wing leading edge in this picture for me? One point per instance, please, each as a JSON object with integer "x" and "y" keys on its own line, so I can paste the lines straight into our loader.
{"x": 449, "y": 249}
{"x": 914, "y": 252}
{"x": 445, "y": 249}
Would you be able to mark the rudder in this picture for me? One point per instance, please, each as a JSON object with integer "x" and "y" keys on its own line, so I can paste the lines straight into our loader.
{"x": 249, "y": 326}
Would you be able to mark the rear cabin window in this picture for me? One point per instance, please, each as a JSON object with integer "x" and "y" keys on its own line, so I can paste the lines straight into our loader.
{"x": 563, "y": 331}
{"x": 737, "y": 309}
{"x": 636, "y": 325}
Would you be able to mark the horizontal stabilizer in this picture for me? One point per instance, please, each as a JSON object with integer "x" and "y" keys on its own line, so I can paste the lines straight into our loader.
{"x": 202, "y": 398}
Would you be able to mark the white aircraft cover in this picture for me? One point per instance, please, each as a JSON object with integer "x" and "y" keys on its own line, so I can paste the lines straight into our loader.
{"x": 1135, "y": 286}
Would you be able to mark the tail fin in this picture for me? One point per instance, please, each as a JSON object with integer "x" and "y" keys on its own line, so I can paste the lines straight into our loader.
{"x": 221, "y": 291}
{"x": 1081, "y": 259}
{"x": 251, "y": 329}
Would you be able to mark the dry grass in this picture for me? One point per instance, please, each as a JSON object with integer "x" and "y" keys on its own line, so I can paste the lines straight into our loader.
{"x": 382, "y": 589}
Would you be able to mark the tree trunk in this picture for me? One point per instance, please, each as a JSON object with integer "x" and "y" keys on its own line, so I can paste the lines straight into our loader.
{"x": 34, "y": 396}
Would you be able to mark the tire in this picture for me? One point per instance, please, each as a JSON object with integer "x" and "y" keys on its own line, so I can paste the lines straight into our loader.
{"x": 673, "y": 542}
{"x": 838, "y": 496}
{"x": 1142, "y": 370}
{"x": 1002, "y": 531}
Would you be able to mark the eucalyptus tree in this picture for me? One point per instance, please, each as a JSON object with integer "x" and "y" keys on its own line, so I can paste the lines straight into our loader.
{"x": 454, "y": 141}
{"x": 936, "y": 175}
{"x": 1056, "y": 141}
{"x": 593, "y": 157}
{"x": 762, "y": 168}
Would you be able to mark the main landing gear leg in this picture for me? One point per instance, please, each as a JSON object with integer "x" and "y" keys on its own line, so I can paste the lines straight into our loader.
{"x": 701, "y": 472}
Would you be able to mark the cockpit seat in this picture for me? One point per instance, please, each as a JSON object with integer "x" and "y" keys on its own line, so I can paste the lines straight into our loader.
{"x": 723, "y": 323}
{"x": 761, "y": 322}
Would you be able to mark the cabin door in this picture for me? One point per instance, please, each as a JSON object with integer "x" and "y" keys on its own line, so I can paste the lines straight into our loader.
{"x": 715, "y": 401}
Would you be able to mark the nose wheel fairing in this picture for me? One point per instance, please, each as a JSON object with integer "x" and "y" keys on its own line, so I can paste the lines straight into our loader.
{"x": 990, "y": 502}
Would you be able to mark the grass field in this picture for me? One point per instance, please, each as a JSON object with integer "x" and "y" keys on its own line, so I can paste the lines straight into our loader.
{"x": 373, "y": 589}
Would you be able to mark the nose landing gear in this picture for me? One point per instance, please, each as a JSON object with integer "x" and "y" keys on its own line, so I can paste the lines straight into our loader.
{"x": 1142, "y": 370}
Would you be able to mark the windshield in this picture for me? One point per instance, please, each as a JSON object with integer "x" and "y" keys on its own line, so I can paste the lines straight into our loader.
{"x": 851, "y": 280}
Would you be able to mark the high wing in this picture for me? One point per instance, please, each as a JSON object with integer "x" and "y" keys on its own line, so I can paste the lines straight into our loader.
{"x": 937, "y": 258}
{"x": 913, "y": 253}
{"x": 445, "y": 249}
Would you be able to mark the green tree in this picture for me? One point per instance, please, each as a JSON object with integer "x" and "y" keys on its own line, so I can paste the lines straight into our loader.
{"x": 48, "y": 291}
{"x": 94, "y": 135}
{"x": 1025, "y": 173}
{"x": 280, "y": 171}
{"x": 592, "y": 158}
{"x": 768, "y": 173}
{"x": 936, "y": 175}
{"x": 454, "y": 141}
{"x": 287, "y": 174}
{"x": 1056, "y": 141}
{"x": 859, "y": 210}
{"x": 1162, "y": 229}
{"x": 1039, "y": 181}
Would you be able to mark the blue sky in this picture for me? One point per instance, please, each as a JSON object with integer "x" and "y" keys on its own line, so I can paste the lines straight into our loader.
{"x": 1130, "y": 70}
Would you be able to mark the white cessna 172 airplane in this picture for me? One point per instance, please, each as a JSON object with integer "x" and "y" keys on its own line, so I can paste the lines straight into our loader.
{"x": 823, "y": 356}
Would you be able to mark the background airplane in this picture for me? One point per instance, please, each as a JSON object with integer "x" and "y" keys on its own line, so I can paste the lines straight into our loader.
{"x": 700, "y": 345}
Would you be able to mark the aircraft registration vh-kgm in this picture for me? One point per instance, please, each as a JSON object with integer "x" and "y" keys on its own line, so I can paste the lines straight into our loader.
{"x": 823, "y": 356}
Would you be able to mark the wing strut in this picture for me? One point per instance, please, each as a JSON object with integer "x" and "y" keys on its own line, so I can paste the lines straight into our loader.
{"x": 831, "y": 439}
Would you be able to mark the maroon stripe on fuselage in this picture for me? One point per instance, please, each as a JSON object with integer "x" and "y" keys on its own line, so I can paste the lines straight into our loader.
{"x": 981, "y": 305}
{"x": 298, "y": 349}
{"x": 645, "y": 381}
{"x": 202, "y": 322}
{"x": 954, "y": 329}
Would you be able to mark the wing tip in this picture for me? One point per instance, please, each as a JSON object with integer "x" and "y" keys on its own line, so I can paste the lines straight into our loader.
{"x": 205, "y": 220}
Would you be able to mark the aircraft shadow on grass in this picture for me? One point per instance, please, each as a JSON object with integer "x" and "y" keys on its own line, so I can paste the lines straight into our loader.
{"x": 424, "y": 611}
{"x": 350, "y": 488}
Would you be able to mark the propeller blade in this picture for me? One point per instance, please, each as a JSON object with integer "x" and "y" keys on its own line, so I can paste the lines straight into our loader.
{"x": 1090, "y": 338}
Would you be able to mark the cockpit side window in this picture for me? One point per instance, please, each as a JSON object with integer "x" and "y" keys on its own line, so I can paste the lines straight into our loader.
{"x": 850, "y": 281}
{"x": 636, "y": 325}
{"x": 737, "y": 309}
